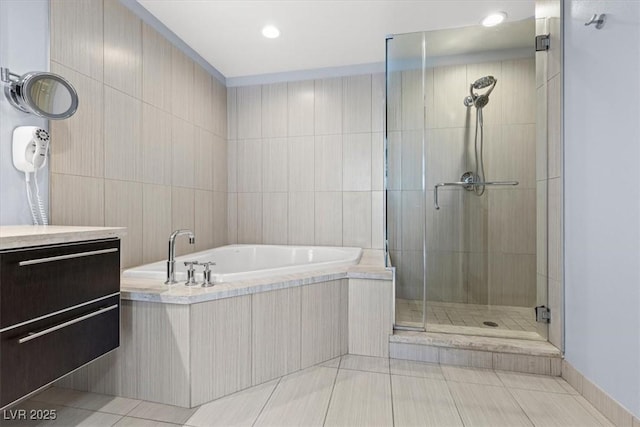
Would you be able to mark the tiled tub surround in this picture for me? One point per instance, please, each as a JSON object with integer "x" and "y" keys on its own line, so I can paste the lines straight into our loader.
{"x": 186, "y": 346}
{"x": 306, "y": 162}
{"x": 147, "y": 146}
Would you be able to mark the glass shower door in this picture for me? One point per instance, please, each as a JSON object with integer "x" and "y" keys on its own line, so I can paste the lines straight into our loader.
{"x": 405, "y": 145}
{"x": 462, "y": 202}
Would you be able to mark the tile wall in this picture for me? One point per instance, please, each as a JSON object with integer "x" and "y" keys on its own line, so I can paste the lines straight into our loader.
{"x": 479, "y": 249}
{"x": 306, "y": 162}
{"x": 147, "y": 148}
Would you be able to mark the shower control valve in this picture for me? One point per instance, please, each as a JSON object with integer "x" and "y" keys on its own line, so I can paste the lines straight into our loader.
{"x": 191, "y": 273}
{"x": 207, "y": 274}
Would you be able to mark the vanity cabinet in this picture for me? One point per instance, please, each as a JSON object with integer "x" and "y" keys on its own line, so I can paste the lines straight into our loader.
{"x": 59, "y": 310}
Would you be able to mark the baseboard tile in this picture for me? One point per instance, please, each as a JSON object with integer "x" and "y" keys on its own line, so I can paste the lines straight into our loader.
{"x": 604, "y": 403}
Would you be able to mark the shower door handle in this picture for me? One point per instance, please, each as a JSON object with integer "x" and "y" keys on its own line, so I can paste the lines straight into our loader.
{"x": 466, "y": 185}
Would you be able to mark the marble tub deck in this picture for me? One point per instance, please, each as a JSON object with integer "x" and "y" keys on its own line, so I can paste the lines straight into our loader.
{"x": 371, "y": 266}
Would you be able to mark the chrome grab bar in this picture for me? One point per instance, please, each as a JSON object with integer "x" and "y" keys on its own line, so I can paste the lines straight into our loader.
{"x": 465, "y": 184}
{"x": 34, "y": 335}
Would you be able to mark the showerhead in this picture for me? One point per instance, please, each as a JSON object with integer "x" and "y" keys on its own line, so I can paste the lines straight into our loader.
{"x": 477, "y": 100}
{"x": 483, "y": 82}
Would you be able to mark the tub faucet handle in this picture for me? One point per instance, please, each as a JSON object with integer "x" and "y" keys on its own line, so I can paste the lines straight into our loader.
{"x": 191, "y": 273}
{"x": 207, "y": 274}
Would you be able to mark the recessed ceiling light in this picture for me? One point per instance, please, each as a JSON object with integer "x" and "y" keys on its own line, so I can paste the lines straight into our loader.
{"x": 270, "y": 32}
{"x": 494, "y": 19}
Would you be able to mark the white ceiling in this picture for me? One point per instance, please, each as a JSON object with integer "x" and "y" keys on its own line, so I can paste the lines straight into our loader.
{"x": 314, "y": 33}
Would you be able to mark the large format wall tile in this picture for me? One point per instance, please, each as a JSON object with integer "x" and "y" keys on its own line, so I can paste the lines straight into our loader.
{"x": 328, "y": 218}
{"x": 275, "y": 218}
{"x": 301, "y": 163}
{"x": 275, "y": 172}
{"x": 328, "y": 163}
{"x": 250, "y": 218}
{"x": 183, "y": 216}
{"x": 77, "y": 36}
{"x": 328, "y": 106}
{"x": 156, "y": 68}
{"x": 300, "y": 105}
{"x": 151, "y": 141}
{"x": 202, "y": 105}
{"x": 78, "y": 147}
{"x": 325, "y": 321}
{"x": 378, "y": 112}
{"x": 156, "y": 227}
{"x": 203, "y": 159}
{"x": 156, "y": 145}
{"x": 274, "y": 110}
{"x": 356, "y": 219}
{"x": 172, "y": 320}
{"x": 450, "y": 87}
{"x": 182, "y": 90}
{"x": 77, "y": 200}
{"x": 370, "y": 317}
{"x": 123, "y": 208}
{"x": 203, "y": 219}
{"x": 356, "y": 162}
{"x": 512, "y": 221}
{"x": 249, "y": 110}
{"x": 249, "y": 165}
{"x": 122, "y": 49}
{"x": 183, "y": 141}
{"x": 356, "y": 104}
{"x": 221, "y": 353}
{"x": 275, "y": 334}
{"x": 301, "y": 218}
{"x": 122, "y": 142}
{"x": 219, "y": 164}
{"x": 220, "y": 222}
{"x": 219, "y": 108}
{"x": 519, "y": 77}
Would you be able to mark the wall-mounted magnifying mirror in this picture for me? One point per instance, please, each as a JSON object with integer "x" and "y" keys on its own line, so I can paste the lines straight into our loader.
{"x": 44, "y": 94}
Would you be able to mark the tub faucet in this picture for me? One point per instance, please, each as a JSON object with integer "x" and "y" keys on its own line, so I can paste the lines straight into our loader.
{"x": 171, "y": 261}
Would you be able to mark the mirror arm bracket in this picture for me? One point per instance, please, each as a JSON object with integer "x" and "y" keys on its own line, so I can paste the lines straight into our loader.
{"x": 7, "y": 76}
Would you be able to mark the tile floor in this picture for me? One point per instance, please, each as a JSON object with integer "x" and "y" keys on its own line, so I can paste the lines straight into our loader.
{"x": 445, "y": 313}
{"x": 349, "y": 391}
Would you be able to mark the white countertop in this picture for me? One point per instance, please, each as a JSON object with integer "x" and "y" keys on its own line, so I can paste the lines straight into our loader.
{"x": 371, "y": 267}
{"x": 23, "y": 236}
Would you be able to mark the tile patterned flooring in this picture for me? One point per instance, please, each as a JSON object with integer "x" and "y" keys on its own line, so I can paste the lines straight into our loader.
{"x": 349, "y": 391}
{"x": 457, "y": 314}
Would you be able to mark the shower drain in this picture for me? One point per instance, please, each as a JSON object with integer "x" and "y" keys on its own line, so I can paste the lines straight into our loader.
{"x": 492, "y": 324}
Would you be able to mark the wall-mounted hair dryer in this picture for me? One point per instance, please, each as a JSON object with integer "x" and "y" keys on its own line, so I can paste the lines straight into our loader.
{"x": 30, "y": 152}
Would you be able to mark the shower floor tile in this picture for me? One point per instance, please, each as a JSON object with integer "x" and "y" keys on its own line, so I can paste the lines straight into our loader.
{"x": 474, "y": 315}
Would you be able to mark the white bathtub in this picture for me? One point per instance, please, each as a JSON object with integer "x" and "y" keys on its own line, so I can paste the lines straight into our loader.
{"x": 241, "y": 262}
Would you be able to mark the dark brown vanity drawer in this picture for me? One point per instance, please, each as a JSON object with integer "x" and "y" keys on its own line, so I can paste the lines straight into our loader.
{"x": 38, "y": 281}
{"x": 37, "y": 353}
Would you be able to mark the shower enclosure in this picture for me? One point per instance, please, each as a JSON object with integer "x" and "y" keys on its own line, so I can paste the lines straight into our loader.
{"x": 461, "y": 200}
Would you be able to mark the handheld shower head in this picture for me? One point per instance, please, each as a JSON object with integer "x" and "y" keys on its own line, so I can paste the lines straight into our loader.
{"x": 477, "y": 100}
{"x": 483, "y": 82}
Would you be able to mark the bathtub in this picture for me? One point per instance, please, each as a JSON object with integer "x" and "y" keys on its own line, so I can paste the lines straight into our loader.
{"x": 243, "y": 262}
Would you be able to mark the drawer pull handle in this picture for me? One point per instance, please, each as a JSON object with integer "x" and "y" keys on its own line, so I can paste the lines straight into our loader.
{"x": 69, "y": 256}
{"x": 34, "y": 335}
